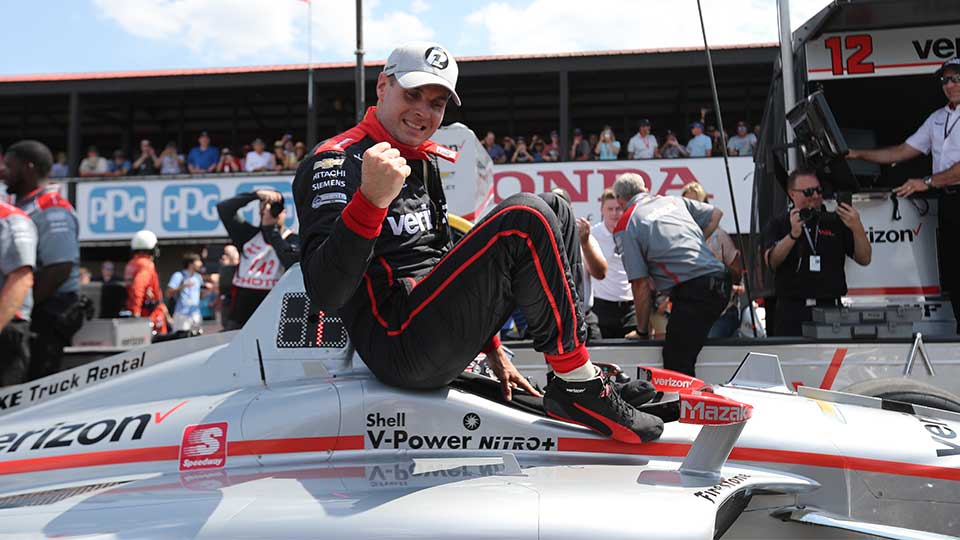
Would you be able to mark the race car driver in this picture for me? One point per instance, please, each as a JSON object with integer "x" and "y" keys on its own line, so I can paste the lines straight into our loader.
{"x": 18, "y": 255}
{"x": 377, "y": 250}
{"x": 265, "y": 251}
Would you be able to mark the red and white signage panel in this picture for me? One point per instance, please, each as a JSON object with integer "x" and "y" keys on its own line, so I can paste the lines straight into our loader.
{"x": 881, "y": 53}
{"x": 586, "y": 180}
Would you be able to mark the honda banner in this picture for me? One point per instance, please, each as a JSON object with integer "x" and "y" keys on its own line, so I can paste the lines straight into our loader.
{"x": 586, "y": 180}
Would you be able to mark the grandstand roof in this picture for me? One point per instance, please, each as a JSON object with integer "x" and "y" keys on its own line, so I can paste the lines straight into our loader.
{"x": 252, "y": 70}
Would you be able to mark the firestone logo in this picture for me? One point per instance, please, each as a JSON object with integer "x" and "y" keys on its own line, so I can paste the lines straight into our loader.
{"x": 204, "y": 446}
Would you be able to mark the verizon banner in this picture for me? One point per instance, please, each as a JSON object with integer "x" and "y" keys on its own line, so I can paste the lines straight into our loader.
{"x": 586, "y": 180}
{"x": 881, "y": 53}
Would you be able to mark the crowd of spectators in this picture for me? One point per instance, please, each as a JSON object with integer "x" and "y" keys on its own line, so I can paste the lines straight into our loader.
{"x": 700, "y": 141}
{"x": 204, "y": 158}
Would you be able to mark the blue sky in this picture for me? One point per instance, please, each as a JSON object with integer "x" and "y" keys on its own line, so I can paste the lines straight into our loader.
{"x": 54, "y": 36}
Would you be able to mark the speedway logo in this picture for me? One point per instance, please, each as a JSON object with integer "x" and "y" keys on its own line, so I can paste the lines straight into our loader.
{"x": 707, "y": 410}
{"x": 204, "y": 446}
{"x": 61, "y": 435}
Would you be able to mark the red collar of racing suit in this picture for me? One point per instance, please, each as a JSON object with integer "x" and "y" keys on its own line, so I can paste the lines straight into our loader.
{"x": 372, "y": 127}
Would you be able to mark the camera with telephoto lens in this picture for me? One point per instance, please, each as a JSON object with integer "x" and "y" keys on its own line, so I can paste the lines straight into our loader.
{"x": 809, "y": 215}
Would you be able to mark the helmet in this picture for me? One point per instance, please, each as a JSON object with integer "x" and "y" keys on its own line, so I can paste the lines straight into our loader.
{"x": 143, "y": 241}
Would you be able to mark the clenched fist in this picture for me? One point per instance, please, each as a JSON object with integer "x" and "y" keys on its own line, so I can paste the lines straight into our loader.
{"x": 382, "y": 174}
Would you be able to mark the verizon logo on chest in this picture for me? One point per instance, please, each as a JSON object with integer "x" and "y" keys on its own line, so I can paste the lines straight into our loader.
{"x": 411, "y": 222}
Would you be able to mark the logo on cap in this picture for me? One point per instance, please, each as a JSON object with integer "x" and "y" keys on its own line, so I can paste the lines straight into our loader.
{"x": 436, "y": 57}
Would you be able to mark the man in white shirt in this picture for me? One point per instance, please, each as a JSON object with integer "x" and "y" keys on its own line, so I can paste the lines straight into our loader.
{"x": 612, "y": 296}
{"x": 643, "y": 145}
{"x": 259, "y": 159}
{"x": 938, "y": 137}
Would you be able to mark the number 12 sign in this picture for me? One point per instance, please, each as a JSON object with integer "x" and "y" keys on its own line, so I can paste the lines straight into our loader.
{"x": 881, "y": 53}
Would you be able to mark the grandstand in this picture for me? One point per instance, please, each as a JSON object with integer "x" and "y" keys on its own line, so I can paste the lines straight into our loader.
{"x": 508, "y": 94}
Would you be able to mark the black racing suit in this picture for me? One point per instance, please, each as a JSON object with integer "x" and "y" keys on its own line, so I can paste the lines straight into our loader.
{"x": 417, "y": 308}
{"x": 245, "y": 300}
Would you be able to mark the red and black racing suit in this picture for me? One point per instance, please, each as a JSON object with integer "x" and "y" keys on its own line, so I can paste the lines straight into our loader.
{"x": 417, "y": 308}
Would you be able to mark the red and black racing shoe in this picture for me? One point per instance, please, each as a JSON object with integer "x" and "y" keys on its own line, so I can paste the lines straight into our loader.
{"x": 597, "y": 404}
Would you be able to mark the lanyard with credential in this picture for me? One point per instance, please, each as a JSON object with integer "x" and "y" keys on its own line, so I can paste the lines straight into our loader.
{"x": 947, "y": 132}
{"x": 816, "y": 238}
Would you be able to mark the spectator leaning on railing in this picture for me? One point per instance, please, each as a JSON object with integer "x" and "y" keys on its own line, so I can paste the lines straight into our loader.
{"x": 259, "y": 159}
{"x": 60, "y": 169}
{"x": 203, "y": 157}
{"x": 171, "y": 162}
{"x": 147, "y": 163}
{"x": 94, "y": 164}
{"x": 228, "y": 162}
{"x": 119, "y": 165}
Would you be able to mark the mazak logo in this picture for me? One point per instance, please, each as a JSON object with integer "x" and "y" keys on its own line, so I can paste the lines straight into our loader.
{"x": 411, "y": 222}
{"x": 190, "y": 207}
{"x": 251, "y": 212}
{"x": 117, "y": 209}
{"x": 204, "y": 446}
{"x": 893, "y": 236}
{"x": 701, "y": 412}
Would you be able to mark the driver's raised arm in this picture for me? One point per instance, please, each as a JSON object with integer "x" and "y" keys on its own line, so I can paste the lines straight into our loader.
{"x": 338, "y": 227}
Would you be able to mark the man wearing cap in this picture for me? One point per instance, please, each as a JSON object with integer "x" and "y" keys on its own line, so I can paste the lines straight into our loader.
{"x": 203, "y": 158}
{"x": 743, "y": 143}
{"x": 699, "y": 144}
{"x": 938, "y": 137}
{"x": 377, "y": 250}
{"x": 643, "y": 145}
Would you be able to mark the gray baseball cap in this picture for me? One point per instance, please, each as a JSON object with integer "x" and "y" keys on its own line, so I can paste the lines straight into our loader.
{"x": 418, "y": 63}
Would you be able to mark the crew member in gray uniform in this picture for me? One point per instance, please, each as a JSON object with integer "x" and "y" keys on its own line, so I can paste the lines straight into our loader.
{"x": 18, "y": 253}
{"x": 58, "y": 312}
{"x": 662, "y": 238}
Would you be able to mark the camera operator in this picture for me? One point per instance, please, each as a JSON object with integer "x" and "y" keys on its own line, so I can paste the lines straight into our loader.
{"x": 937, "y": 137}
{"x": 807, "y": 249}
{"x": 265, "y": 251}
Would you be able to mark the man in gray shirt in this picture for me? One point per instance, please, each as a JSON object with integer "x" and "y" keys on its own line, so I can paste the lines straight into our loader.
{"x": 18, "y": 252}
{"x": 58, "y": 310}
{"x": 661, "y": 239}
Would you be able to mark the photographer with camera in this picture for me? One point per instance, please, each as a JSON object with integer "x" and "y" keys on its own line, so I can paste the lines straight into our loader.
{"x": 265, "y": 251}
{"x": 807, "y": 249}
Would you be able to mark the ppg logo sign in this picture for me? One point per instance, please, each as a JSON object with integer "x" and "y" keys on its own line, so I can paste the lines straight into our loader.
{"x": 117, "y": 209}
{"x": 190, "y": 207}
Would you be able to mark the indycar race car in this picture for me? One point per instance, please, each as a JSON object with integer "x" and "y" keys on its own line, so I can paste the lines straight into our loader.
{"x": 279, "y": 431}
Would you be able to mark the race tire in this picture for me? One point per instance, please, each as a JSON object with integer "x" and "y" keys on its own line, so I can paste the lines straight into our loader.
{"x": 908, "y": 391}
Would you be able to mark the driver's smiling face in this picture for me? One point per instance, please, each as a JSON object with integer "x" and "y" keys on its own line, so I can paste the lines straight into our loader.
{"x": 410, "y": 115}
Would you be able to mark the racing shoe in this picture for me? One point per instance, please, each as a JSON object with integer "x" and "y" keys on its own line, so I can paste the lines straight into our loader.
{"x": 598, "y": 405}
{"x": 635, "y": 393}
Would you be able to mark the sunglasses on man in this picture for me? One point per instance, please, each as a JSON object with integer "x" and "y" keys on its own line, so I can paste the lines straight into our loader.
{"x": 955, "y": 79}
{"x": 808, "y": 192}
